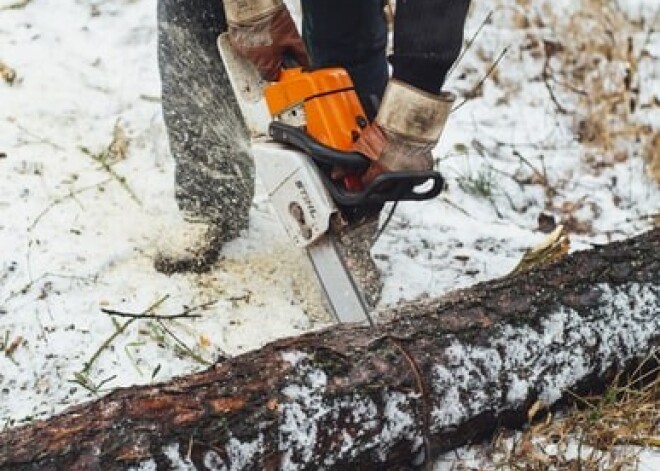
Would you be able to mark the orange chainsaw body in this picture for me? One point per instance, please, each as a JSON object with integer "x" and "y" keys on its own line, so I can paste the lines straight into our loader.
{"x": 333, "y": 113}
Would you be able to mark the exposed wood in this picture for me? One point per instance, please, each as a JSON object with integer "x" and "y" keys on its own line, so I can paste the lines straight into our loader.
{"x": 443, "y": 373}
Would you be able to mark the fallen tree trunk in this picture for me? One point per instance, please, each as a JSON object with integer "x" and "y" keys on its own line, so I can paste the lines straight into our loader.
{"x": 376, "y": 398}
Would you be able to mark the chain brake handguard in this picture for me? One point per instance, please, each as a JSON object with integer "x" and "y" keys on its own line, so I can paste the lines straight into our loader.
{"x": 386, "y": 187}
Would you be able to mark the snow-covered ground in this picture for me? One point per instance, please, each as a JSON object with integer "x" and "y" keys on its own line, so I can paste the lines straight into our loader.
{"x": 78, "y": 225}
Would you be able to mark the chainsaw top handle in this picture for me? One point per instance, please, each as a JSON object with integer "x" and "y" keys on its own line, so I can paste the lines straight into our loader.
{"x": 386, "y": 187}
{"x": 321, "y": 154}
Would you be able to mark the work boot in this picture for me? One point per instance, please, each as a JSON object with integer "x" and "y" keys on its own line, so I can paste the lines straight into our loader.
{"x": 208, "y": 140}
{"x": 406, "y": 129}
{"x": 192, "y": 247}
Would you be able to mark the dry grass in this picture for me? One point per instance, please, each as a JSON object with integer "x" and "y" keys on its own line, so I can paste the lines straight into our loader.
{"x": 601, "y": 433}
{"x": 596, "y": 64}
{"x": 598, "y": 70}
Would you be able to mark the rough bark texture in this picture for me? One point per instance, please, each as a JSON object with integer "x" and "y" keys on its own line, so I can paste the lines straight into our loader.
{"x": 371, "y": 399}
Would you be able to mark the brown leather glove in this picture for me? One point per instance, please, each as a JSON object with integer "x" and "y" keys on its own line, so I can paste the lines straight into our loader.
{"x": 264, "y": 33}
{"x": 406, "y": 129}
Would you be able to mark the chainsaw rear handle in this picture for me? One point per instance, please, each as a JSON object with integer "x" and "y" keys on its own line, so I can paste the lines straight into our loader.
{"x": 386, "y": 187}
{"x": 322, "y": 155}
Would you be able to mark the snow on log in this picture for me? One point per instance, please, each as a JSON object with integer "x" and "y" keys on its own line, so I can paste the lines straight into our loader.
{"x": 442, "y": 373}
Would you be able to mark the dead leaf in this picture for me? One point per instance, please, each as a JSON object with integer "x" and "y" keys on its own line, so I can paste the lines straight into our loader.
{"x": 204, "y": 341}
{"x": 547, "y": 223}
{"x": 119, "y": 146}
{"x": 7, "y": 73}
{"x": 652, "y": 157}
{"x": 13, "y": 346}
{"x": 554, "y": 247}
{"x": 534, "y": 410}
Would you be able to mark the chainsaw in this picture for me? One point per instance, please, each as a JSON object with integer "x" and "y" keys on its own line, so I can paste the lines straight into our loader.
{"x": 302, "y": 129}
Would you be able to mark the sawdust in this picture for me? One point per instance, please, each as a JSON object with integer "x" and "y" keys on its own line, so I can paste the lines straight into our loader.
{"x": 284, "y": 267}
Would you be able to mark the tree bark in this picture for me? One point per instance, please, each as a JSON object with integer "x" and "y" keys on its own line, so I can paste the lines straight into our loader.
{"x": 442, "y": 373}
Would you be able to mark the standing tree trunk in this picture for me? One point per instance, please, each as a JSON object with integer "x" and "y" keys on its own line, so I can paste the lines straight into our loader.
{"x": 349, "y": 397}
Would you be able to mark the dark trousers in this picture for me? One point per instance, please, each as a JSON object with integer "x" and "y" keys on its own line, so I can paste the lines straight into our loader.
{"x": 428, "y": 35}
{"x": 350, "y": 34}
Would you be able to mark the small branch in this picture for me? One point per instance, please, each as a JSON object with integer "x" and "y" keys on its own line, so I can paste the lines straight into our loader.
{"x": 150, "y": 99}
{"x": 13, "y": 294}
{"x": 483, "y": 80}
{"x": 525, "y": 161}
{"x": 547, "y": 74}
{"x": 62, "y": 199}
{"x": 468, "y": 45}
{"x": 456, "y": 207}
{"x": 570, "y": 87}
{"x": 148, "y": 315}
{"x": 182, "y": 345}
{"x": 187, "y": 313}
{"x": 105, "y": 165}
{"x": 120, "y": 329}
{"x": 37, "y": 139}
{"x": 16, "y": 5}
{"x": 135, "y": 315}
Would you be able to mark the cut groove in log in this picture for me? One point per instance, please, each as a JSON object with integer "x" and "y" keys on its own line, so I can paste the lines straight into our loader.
{"x": 444, "y": 372}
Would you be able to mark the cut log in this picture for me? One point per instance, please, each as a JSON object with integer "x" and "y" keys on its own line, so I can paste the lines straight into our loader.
{"x": 349, "y": 397}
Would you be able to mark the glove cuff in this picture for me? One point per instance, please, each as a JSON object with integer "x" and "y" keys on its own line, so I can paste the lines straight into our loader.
{"x": 413, "y": 113}
{"x": 241, "y": 12}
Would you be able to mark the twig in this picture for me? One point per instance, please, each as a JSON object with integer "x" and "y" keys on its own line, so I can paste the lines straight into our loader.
{"x": 150, "y": 98}
{"x": 39, "y": 139}
{"x": 27, "y": 286}
{"x": 570, "y": 87}
{"x": 60, "y": 200}
{"x": 186, "y": 313}
{"x": 100, "y": 158}
{"x": 483, "y": 80}
{"x": 546, "y": 81}
{"x": 182, "y": 345}
{"x": 524, "y": 160}
{"x": 148, "y": 314}
{"x": 468, "y": 45}
{"x": 16, "y": 5}
{"x": 118, "y": 331}
{"x": 456, "y": 207}
{"x": 135, "y": 315}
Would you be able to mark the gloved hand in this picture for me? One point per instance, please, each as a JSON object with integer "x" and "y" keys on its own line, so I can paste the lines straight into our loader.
{"x": 263, "y": 32}
{"x": 406, "y": 129}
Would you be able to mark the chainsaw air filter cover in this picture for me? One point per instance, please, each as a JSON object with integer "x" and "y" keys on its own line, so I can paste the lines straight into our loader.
{"x": 332, "y": 111}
